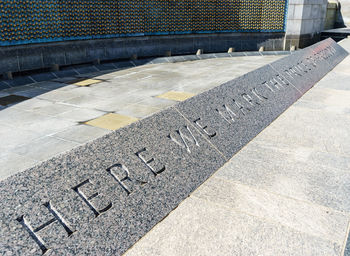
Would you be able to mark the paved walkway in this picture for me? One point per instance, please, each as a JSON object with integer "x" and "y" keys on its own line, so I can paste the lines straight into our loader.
{"x": 286, "y": 193}
{"x": 44, "y": 119}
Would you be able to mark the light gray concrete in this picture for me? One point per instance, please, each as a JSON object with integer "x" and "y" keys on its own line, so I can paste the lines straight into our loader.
{"x": 285, "y": 193}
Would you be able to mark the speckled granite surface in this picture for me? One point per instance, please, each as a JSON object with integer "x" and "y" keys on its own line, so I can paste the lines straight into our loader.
{"x": 102, "y": 197}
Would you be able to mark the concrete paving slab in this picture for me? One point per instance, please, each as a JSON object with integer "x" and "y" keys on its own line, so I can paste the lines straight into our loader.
{"x": 242, "y": 234}
{"x": 58, "y": 95}
{"x": 314, "y": 183}
{"x": 10, "y": 140}
{"x": 299, "y": 215}
{"x": 138, "y": 110}
{"x": 43, "y": 77}
{"x": 81, "y": 114}
{"x": 44, "y": 148}
{"x": 176, "y": 96}
{"x": 32, "y": 92}
{"x": 11, "y": 99}
{"x": 87, "y": 82}
{"x": 262, "y": 149}
{"x": 11, "y": 163}
{"x": 112, "y": 121}
{"x": 49, "y": 85}
{"x": 329, "y": 139}
{"x": 81, "y": 133}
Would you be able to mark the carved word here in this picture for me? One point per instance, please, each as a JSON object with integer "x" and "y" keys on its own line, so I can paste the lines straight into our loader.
{"x": 121, "y": 175}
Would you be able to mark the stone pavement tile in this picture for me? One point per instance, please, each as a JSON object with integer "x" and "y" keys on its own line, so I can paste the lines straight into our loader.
{"x": 105, "y": 104}
{"x": 12, "y": 163}
{"x": 138, "y": 110}
{"x": 199, "y": 227}
{"x": 32, "y": 92}
{"x": 335, "y": 80}
{"x": 43, "y": 76}
{"x": 13, "y": 137}
{"x": 65, "y": 73}
{"x": 3, "y": 94}
{"x": 176, "y": 96}
{"x": 68, "y": 79}
{"x": 157, "y": 102}
{"x": 19, "y": 81}
{"x": 325, "y": 186}
{"x": 112, "y": 121}
{"x": 150, "y": 91}
{"x": 108, "y": 91}
{"x": 33, "y": 122}
{"x": 44, "y": 148}
{"x": 17, "y": 89}
{"x": 12, "y": 99}
{"x": 105, "y": 66}
{"x": 48, "y": 125}
{"x": 320, "y": 106}
{"x": 329, "y": 97}
{"x": 53, "y": 109}
{"x": 49, "y": 85}
{"x": 81, "y": 114}
{"x": 262, "y": 149}
{"x": 298, "y": 215}
{"x": 4, "y": 86}
{"x": 18, "y": 118}
{"x": 87, "y": 82}
{"x": 33, "y": 104}
{"x": 81, "y": 133}
{"x": 86, "y": 69}
{"x": 58, "y": 95}
{"x": 301, "y": 127}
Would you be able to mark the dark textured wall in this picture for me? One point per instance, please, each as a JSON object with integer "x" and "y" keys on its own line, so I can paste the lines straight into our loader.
{"x": 36, "y": 21}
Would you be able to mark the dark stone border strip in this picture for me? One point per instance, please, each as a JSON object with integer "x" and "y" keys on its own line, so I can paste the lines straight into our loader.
{"x": 114, "y": 66}
{"x": 102, "y": 197}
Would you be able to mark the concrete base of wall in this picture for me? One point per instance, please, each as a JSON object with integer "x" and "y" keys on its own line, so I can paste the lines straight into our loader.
{"x": 42, "y": 56}
{"x": 301, "y": 41}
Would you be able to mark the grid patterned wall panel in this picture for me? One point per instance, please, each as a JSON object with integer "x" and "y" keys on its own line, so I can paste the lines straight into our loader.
{"x": 35, "y": 21}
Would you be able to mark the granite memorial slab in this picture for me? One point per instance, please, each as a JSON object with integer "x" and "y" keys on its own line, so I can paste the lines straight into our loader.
{"x": 232, "y": 114}
{"x": 100, "y": 198}
{"x": 306, "y": 67}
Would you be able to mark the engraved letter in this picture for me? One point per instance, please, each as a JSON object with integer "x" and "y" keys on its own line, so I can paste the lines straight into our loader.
{"x": 150, "y": 163}
{"x": 258, "y": 95}
{"x": 204, "y": 128}
{"x": 32, "y": 231}
{"x": 241, "y": 108}
{"x": 87, "y": 198}
{"x": 186, "y": 138}
{"x": 227, "y": 114}
{"x": 249, "y": 99}
{"x": 122, "y": 175}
